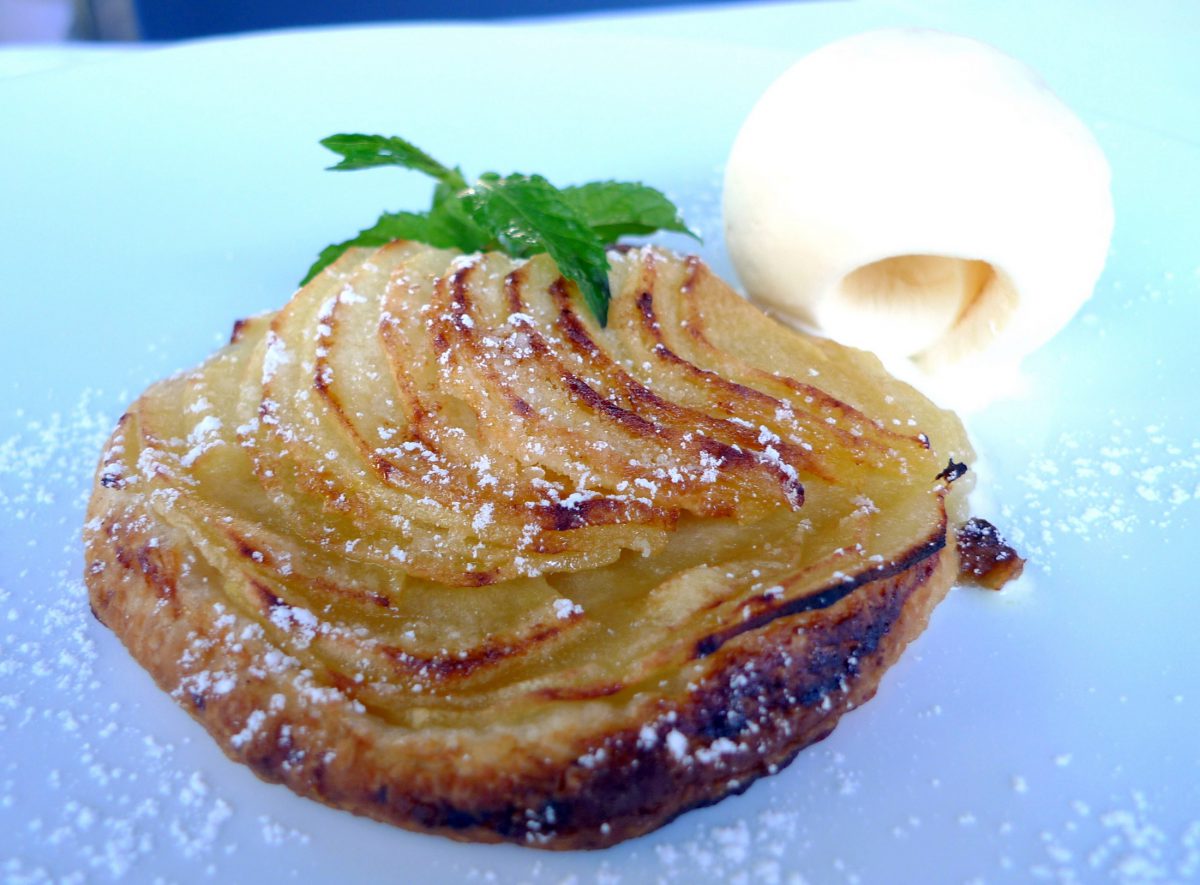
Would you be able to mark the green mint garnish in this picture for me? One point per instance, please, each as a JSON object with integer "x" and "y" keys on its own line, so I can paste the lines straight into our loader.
{"x": 521, "y": 215}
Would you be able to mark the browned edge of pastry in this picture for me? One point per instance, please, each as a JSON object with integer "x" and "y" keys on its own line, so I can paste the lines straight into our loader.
{"x": 765, "y": 694}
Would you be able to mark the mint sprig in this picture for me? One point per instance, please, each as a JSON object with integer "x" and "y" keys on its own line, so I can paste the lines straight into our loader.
{"x": 366, "y": 151}
{"x": 521, "y": 215}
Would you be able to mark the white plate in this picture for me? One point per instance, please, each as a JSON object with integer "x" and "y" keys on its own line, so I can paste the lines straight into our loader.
{"x": 1050, "y": 731}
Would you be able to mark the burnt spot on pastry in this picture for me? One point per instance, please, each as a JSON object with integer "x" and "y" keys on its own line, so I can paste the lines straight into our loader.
{"x": 266, "y": 596}
{"x": 954, "y": 470}
{"x": 239, "y": 327}
{"x": 827, "y": 596}
{"x": 583, "y": 693}
{"x": 985, "y": 558}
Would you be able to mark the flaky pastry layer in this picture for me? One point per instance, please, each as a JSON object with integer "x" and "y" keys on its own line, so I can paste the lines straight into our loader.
{"x": 429, "y": 545}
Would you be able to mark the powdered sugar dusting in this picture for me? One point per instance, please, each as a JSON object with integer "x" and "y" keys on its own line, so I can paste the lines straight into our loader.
{"x": 106, "y": 795}
{"x": 565, "y": 609}
{"x": 110, "y": 781}
{"x": 1103, "y": 487}
{"x": 117, "y": 793}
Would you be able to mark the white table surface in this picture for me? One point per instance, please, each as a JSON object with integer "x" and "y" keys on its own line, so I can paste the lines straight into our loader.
{"x": 1048, "y": 733}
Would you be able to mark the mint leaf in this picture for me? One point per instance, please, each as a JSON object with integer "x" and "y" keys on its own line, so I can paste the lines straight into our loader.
{"x": 390, "y": 226}
{"x": 367, "y": 151}
{"x": 527, "y": 215}
{"x": 614, "y": 209}
{"x": 447, "y": 225}
{"x": 522, "y": 215}
{"x": 451, "y": 219}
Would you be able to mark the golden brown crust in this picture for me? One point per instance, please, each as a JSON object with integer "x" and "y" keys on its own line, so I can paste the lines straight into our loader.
{"x": 764, "y": 696}
{"x": 741, "y": 613}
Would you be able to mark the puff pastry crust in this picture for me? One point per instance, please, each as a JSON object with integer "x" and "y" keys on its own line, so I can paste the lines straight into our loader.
{"x": 429, "y": 545}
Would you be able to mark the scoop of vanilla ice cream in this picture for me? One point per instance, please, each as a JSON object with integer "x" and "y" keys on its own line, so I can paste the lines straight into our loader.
{"x": 921, "y": 195}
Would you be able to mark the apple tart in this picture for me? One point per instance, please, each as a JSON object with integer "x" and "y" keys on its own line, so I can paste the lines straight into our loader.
{"x": 430, "y": 545}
